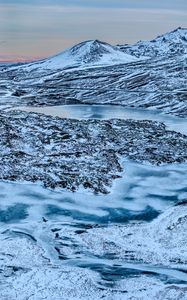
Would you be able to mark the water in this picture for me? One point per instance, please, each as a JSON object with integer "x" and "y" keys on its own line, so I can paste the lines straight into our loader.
{"x": 141, "y": 194}
{"x": 103, "y": 112}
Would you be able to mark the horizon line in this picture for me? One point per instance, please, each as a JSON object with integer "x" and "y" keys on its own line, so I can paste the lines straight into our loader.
{"x": 13, "y": 58}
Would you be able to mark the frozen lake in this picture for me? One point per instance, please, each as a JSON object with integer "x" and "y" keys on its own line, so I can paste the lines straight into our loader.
{"x": 103, "y": 112}
{"x": 141, "y": 194}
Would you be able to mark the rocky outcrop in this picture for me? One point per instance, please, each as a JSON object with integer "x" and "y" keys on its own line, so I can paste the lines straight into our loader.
{"x": 155, "y": 81}
{"x": 70, "y": 153}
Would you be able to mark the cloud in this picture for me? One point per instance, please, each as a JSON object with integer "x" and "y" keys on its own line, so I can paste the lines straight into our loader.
{"x": 38, "y": 29}
{"x": 170, "y": 4}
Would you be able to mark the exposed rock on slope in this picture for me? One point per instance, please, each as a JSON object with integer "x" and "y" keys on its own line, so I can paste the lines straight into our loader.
{"x": 95, "y": 73}
{"x": 85, "y": 54}
{"x": 69, "y": 153}
{"x": 168, "y": 44}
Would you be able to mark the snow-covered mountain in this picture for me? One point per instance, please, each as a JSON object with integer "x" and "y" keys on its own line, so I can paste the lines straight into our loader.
{"x": 95, "y": 72}
{"x": 97, "y": 52}
{"x": 86, "y": 54}
{"x": 172, "y": 43}
{"x": 114, "y": 246}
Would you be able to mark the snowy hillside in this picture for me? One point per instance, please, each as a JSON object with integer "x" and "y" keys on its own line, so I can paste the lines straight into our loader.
{"x": 94, "y": 203}
{"x": 172, "y": 43}
{"x": 87, "y": 53}
{"x": 96, "y": 72}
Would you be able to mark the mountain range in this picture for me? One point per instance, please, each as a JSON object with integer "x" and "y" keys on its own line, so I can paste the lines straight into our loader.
{"x": 170, "y": 44}
{"x": 150, "y": 74}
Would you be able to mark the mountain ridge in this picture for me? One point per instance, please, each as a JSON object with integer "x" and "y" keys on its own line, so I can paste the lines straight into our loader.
{"x": 169, "y": 43}
{"x": 87, "y": 53}
{"x": 158, "y": 82}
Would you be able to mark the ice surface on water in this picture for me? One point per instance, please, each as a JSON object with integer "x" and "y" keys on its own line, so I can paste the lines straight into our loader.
{"x": 111, "y": 111}
{"x": 144, "y": 191}
{"x": 143, "y": 188}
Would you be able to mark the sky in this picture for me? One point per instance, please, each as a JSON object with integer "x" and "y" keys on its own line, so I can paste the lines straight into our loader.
{"x": 38, "y": 28}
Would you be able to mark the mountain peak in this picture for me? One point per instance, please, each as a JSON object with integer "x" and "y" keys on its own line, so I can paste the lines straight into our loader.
{"x": 85, "y": 54}
{"x": 178, "y": 29}
{"x": 168, "y": 44}
{"x": 92, "y": 51}
{"x": 97, "y": 52}
{"x": 178, "y": 33}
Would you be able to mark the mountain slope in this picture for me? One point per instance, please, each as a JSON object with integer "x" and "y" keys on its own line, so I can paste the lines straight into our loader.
{"x": 158, "y": 82}
{"x": 172, "y": 43}
{"x": 89, "y": 53}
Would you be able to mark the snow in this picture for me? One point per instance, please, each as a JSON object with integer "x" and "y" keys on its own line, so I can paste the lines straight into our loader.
{"x": 107, "y": 112}
{"x": 89, "y": 53}
{"x": 96, "y": 72}
{"x": 169, "y": 43}
{"x": 153, "y": 253}
{"x": 62, "y": 245}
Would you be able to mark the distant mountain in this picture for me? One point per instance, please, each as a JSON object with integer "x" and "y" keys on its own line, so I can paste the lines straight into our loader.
{"x": 96, "y": 72}
{"x": 172, "y": 43}
{"x": 89, "y": 53}
{"x": 95, "y": 51}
